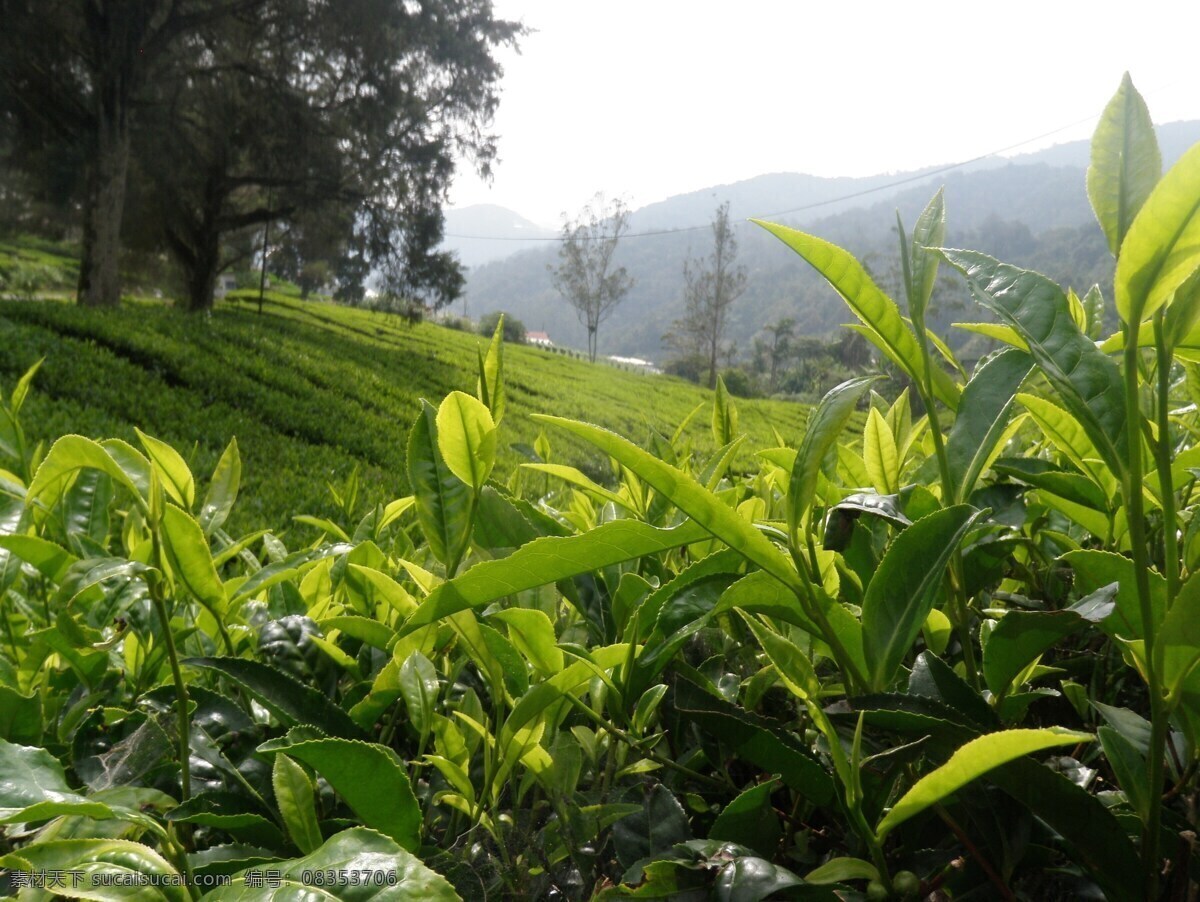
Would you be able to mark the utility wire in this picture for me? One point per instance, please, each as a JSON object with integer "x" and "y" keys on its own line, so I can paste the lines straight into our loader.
{"x": 916, "y": 177}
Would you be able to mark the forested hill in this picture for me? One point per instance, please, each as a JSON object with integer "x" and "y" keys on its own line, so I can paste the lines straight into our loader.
{"x": 996, "y": 206}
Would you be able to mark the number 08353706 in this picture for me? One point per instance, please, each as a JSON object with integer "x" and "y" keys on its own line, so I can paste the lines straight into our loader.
{"x": 352, "y": 877}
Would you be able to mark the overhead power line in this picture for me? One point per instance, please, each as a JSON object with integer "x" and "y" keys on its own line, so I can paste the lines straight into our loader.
{"x": 915, "y": 177}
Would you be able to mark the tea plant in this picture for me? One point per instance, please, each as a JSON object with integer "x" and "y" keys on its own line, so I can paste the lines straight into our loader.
{"x": 944, "y": 649}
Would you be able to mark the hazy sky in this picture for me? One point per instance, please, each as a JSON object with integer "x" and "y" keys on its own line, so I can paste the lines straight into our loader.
{"x": 650, "y": 98}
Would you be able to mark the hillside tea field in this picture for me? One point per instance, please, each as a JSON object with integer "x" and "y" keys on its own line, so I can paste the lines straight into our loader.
{"x": 941, "y": 645}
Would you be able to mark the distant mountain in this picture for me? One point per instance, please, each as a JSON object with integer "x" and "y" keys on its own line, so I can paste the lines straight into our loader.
{"x": 485, "y": 232}
{"x": 1031, "y": 210}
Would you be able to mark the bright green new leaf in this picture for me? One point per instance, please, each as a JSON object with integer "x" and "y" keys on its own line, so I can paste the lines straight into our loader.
{"x": 491, "y": 374}
{"x": 987, "y": 403}
{"x": 67, "y": 456}
{"x": 419, "y": 688}
{"x": 689, "y": 496}
{"x": 533, "y": 634}
{"x": 222, "y": 490}
{"x": 173, "y": 471}
{"x": 792, "y": 665}
{"x": 578, "y": 478}
{"x": 905, "y": 587}
{"x": 839, "y": 870}
{"x": 191, "y": 561}
{"x": 1126, "y": 163}
{"x": 972, "y": 761}
{"x": 51, "y": 560}
{"x": 875, "y": 309}
{"x": 548, "y": 560}
{"x": 1162, "y": 247}
{"x": 1088, "y": 382}
{"x": 372, "y": 780}
{"x": 443, "y": 501}
{"x": 929, "y": 232}
{"x": 725, "y": 416}
{"x": 1129, "y": 766}
{"x": 880, "y": 455}
{"x": 294, "y": 796}
{"x": 466, "y": 437}
{"x": 825, "y": 426}
{"x": 354, "y": 851}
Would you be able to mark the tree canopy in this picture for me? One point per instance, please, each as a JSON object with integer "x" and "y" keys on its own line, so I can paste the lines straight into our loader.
{"x": 197, "y": 120}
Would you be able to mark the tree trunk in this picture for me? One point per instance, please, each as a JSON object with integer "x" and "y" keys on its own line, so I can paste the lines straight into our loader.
{"x": 99, "y": 275}
{"x": 202, "y": 271}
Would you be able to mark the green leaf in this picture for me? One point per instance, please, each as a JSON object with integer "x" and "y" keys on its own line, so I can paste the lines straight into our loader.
{"x": 792, "y": 664}
{"x": 491, "y": 374}
{"x": 372, "y": 780}
{"x": 750, "y": 820}
{"x": 972, "y": 761}
{"x": 1129, "y": 766}
{"x": 419, "y": 687}
{"x": 1021, "y": 636}
{"x": 533, "y": 634}
{"x": 20, "y": 717}
{"x": 839, "y": 870}
{"x": 33, "y": 787}
{"x": 929, "y": 232}
{"x": 222, "y": 490}
{"x": 689, "y": 496}
{"x": 580, "y": 480}
{"x": 1125, "y": 165}
{"x": 983, "y": 415}
{"x": 443, "y": 501}
{"x": 355, "y": 850}
{"x": 824, "y": 428}
{"x": 466, "y": 438}
{"x": 725, "y": 417}
{"x": 85, "y": 510}
{"x": 880, "y": 455}
{"x": 173, "y": 471}
{"x": 905, "y": 586}
{"x": 1087, "y": 381}
{"x": 191, "y": 560}
{"x": 1179, "y": 636}
{"x": 1162, "y": 247}
{"x": 755, "y": 739}
{"x": 115, "y": 859}
{"x": 294, "y": 796}
{"x": 549, "y": 560}
{"x": 49, "y": 559}
{"x": 284, "y": 696}
{"x": 66, "y": 457}
{"x": 1096, "y": 569}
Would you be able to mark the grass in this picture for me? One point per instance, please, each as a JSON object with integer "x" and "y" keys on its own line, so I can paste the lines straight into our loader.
{"x": 312, "y": 390}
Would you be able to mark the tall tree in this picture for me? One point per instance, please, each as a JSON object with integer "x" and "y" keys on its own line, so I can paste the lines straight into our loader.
{"x": 586, "y": 274}
{"x": 711, "y": 285}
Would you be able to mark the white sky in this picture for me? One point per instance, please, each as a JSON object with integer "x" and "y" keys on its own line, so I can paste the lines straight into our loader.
{"x": 649, "y": 98}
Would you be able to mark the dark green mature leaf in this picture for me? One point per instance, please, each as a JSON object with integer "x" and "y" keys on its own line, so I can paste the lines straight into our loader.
{"x": 549, "y": 560}
{"x": 284, "y": 696}
{"x": 754, "y": 739}
{"x": 1162, "y": 247}
{"x": 1129, "y": 766}
{"x": 1096, "y": 569}
{"x": 20, "y": 717}
{"x": 33, "y": 787}
{"x": 1088, "y": 382}
{"x": 933, "y": 677}
{"x": 141, "y": 866}
{"x": 689, "y": 496}
{"x": 877, "y": 311}
{"x": 987, "y": 403}
{"x": 750, "y": 820}
{"x": 372, "y": 780}
{"x": 1126, "y": 163}
{"x": 825, "y": 426}
{"x": 905, "y": 587}
{"x": 355, "y": 850}
{"x": 656, "y": 828}
{"x": 1020, "y": 636}
{"x": 971, "y": 761}
{"x": 443, "y": 500}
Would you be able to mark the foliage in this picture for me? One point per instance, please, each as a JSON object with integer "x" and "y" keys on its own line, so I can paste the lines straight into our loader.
{"x": 514, "y": 329}
{"x": 586, "y": 275}
{"x": 949, "y": 654}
